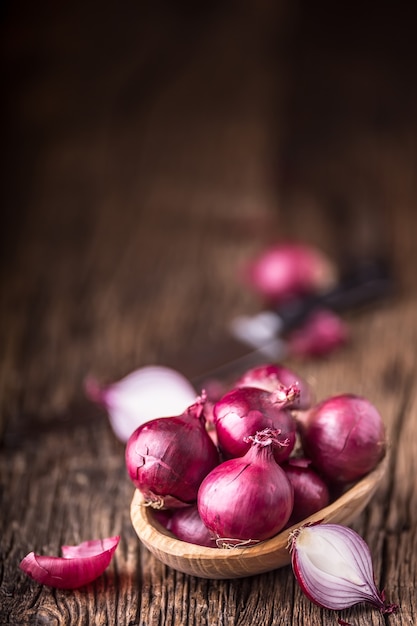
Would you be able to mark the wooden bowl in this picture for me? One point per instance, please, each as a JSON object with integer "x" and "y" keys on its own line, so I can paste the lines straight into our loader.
{"x": 226, "y": 563}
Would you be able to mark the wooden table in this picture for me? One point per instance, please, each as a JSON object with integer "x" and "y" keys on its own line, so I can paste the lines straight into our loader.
{"x": 150, "y": 150}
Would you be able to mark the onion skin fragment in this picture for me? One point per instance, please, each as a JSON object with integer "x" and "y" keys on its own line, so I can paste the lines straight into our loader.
{"x": 79, "y": 565}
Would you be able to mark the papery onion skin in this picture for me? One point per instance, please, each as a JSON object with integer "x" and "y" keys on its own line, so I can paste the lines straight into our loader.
{"x": 167, "y": 458}
{"x": 187, "y": 525}
{"x": 244, "y": 411}
{"x": 333, "y": 566}
{"x": 79, "y": 565}
{"x": 344, "y": 436}
{"x": 146, "y": 393}
{"x": 290, "y": 269}
{"x": 311, "y": 492}
{"x": 272, "y": 376}
{"x": 247, "y": 499}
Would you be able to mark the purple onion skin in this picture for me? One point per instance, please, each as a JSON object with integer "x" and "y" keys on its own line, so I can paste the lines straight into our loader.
{"x": 311, "y": 493}
{"x": 167, "y": 458}
{"x": 163, "y": 516}
{"x": 246, "y": 410}
{"x": 187, "y": 525}
{"x": 271, "y": 377}
{"x": 344, "y": 437}
{"x": 247, "y": 499}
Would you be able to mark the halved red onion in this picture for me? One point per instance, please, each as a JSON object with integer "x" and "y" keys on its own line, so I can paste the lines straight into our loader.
{"x": 289, "y": 269}
{"x": 344, "y": 437}
{"x": 167, "y": 458}
{"x": 272, "y": 377}
{"x": 146, "y": 393}
{"x": 78, "y": 566}
{"x": 246, "y": 410}
{"x": 247, "y": 499}
{"x": 333, "y": 566}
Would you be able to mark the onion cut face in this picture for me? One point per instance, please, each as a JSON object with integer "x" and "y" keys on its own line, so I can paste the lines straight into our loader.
{"x": 167, "y": 458}
{"x": 144, "y": 394}
{"x": 248, "y": 499}
{"x": 78, "y": 566}
{"x": 344, "y": 437}
{"x": 333, "y": 567}
{"x": 246, "y": 410}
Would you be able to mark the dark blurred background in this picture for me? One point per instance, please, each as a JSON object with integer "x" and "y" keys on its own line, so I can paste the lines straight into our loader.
{"x": 148, "y": 85}
{"x": 150, "y": 148}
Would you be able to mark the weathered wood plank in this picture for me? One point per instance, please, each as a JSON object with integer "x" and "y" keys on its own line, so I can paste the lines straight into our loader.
{"x": 140, "y": 176}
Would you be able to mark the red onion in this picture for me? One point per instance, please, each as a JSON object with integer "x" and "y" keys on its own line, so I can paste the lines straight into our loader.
{"x": 167, "y": 458}
{"x": 163, "y": 516}
{"x": 310, "y": 491}
{"x": 187, "y": 525}
{"x": 287, "y": 270}
{"x": 272, "y": 377}
{"x": 144, "y": 394}
{"x": 333, "y": 567}
{"x": 246, "y": 410}
{"x": 247, "y": 499}
{"x": 78, "y": 566}
{"x": 344, "y": 437}
{"x": 323, "y": 332}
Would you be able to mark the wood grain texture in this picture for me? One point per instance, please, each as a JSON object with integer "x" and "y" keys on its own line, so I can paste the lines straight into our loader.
{"x": 148, "y": 152}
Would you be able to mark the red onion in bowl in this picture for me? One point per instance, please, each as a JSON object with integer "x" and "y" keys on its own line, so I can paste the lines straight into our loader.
{"x": 187, "y": 525}
{"x": 272, "y": 377}
{"x": 163, "y": 516}
{"x": 247, "y": 499}
{"x": 344, "y": 437}
{"x": 168, "y": 457}
{"x": 311, "y": 492}
{"x": 246, "y": 410}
